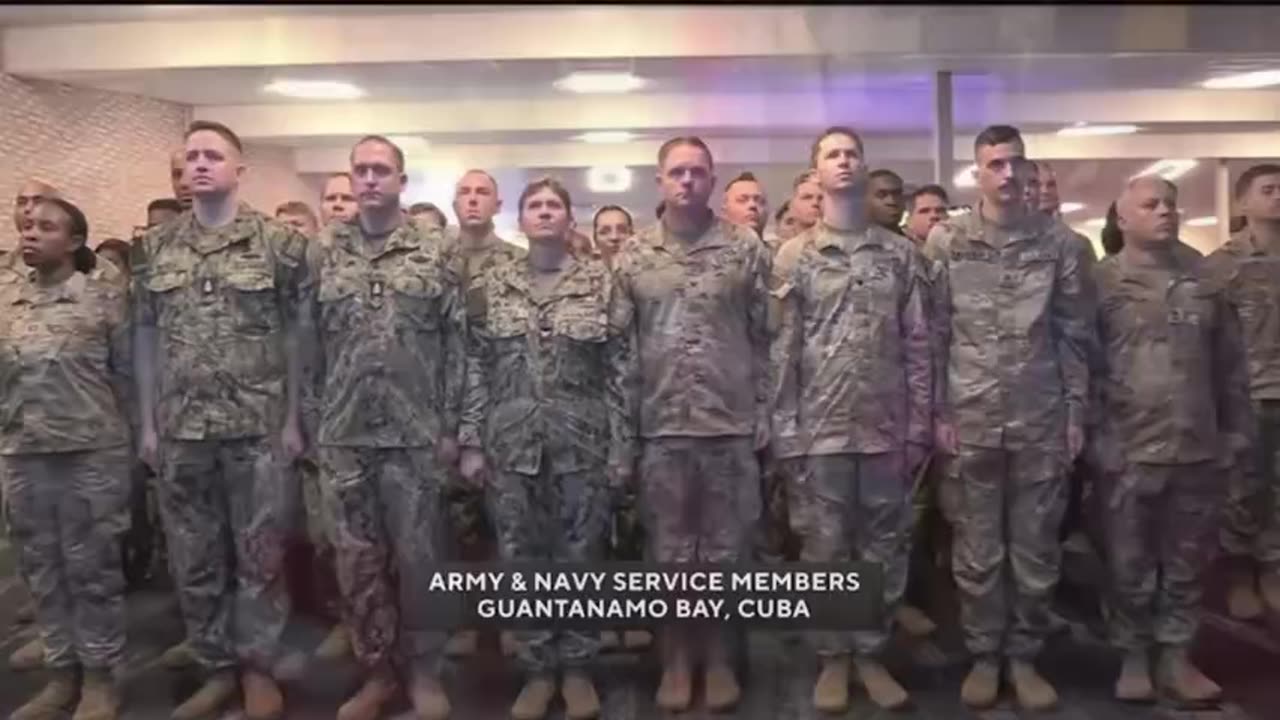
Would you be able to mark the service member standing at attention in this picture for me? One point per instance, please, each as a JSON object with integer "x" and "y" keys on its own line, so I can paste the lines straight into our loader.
{"x": 65, "y": 455}
{"x": 337, "y": 200}
{"x": 1249, "y": 265}
{"x": 1174, "y": 406}
{"x": 390, "y": 324}
{"x": 543, "y": 400}
{"x": 853, "y": 363}
{"x": 885, "y": 191}
{"x": 178, "y": 178}
{"x": 217, "y": 296}
{"x": 1016, "y": 338}
{"x": 609, "y": 228}
{"x": 693, "y": 297}
{"x": 746, "y": 204}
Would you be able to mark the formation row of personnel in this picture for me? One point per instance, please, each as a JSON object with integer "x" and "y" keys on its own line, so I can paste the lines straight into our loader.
{"x": 402, "y": 363}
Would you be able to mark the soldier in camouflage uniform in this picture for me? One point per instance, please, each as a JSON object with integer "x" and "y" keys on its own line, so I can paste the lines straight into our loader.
{"x": 1249, "y": 267}
{"x": 390, "y": 328}
{"x": 609, "y": 228}
{"x": 217, "y": 295}
{"x": 543, "y": 401}
{"x": 852, "y": 362}
{"x": 65, "y": 365}
{"x": 692, "y": 296}
{"x": 1017, "y": 333}
{"x": 1173, "y": 400}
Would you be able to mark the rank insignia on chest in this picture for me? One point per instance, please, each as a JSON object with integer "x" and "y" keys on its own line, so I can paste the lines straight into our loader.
{"x": 207, "y": 286}
{"x": 376, "y": 289}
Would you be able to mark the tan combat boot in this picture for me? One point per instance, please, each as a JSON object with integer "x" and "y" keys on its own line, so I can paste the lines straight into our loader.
{"x": 1183, "y": 680}
{"x": 883, "y": 690}
{"x": 1243, "y": 602}
{"x": 831, "y": 691}
{"x": 461, "y": 644}
{"x": 1033, "y": 691}
{"x": 982, "y": 685}
{"x": 428, "y": 697}
{"x": 366, "y": 704}
{"x": 336, "y": 645}
{"x": 721, "y": 687}
{"x": 179, "y": 656}
{"x": 913, "y": 621}
{"x": 1134, "y": 683}
{"x": 534, "y": 698}
{"x": 580, "y": 699}
{"x": 216, "y": 692}
{"x": 675, "y": 692}
{"x": 1269, "y": 580}
{"x": 262, "y": 697}
{"x": 99, "y": 698}
{"x": 57, "y": 697}
{"x": 637, "y": 639}
{"x": 28, "y": 657}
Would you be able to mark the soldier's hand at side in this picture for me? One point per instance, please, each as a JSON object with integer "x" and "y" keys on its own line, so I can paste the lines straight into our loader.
{"x": 292, "y": 442}
{"x": 149, "y": 449}
{"x": 472, "y": 466}
{"x": 1075, "y": 441}
{"x": 447, "y": 451}
{"x": 945, "y": 438}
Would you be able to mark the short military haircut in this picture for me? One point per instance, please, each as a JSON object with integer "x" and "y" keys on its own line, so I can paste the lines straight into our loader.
{"x": 885, "y": 173}
{"x": 804, "y": 177}
{"x": 221, "y": 130}
{"x": 547, "y": 183}
{"x": 833, "y": 130}
{"x": 170, "y": 204}
{"x": 478, "y": 171}
{"x": 1245, "y": 181}
{"x": 691, "y": 141}
{"x": 424, "y": 208}
{"x": 782, "y": 211}
{"x": 346, "y": 175}
{"x": 610, "y": 208}
{"x": 994, "y": 135}
{"x": 295, "y": 207}
{"x": 381, "y": 140}
{"x": 747, "y": 176}
{"x": 934, "y": 190}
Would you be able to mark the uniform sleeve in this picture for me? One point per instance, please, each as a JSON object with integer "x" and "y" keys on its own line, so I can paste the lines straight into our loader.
{"x": 624, "y": 371}
{"x": 917, "y": 343}
{"x": 295, "y": 282}
{"x": 935, "y": 253}
{"x": 119, "y": 326}
{"x": 1088, "y": 261}
{"x": 1072, "y": 332}
{"x": 141, "y": 300}
{"x": 758, "y": 326}
{"x": 785, "y": 356}
{"x": 1235, "y": 414}
{"x": 475, "y": 392}
{"x": 454, "y": 314}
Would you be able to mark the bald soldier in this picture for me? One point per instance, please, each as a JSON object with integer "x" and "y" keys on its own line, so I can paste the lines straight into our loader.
{"x": 1173, "y": 400}
{"x": 1249, "y": 266}
{"x": 852, "y": 355}
{"x": 1015, "y": 334}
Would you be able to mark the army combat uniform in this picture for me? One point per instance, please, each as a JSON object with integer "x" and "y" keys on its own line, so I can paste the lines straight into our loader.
{"x": 1251, "y": 277}
{"x": 390, "y": 326}
{"x": 1175, "y": 414}
{"x": 1015, "y": 342}
{"x": 224, "y": 304}
{"x": 852, "y": 360}
{"x": 544, "y": 402}
{"x": 65, "y": 454}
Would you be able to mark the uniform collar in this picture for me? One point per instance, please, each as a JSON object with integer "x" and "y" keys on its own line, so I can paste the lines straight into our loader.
{"x": 350, "y": 237}
{"x": 1031, "y": 226}
{"x": 829, "y": 237}
{"x": 206, "y": 241}
{"x": 715, "y": 236}
{"x": 71, "y": 290}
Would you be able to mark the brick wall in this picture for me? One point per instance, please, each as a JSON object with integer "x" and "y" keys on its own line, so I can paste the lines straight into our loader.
{"x": 109, "y": 153}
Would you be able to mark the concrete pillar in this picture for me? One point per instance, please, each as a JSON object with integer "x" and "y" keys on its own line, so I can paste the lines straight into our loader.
{"x": 943, "y": 131}
{"x": 1222, "y": 200}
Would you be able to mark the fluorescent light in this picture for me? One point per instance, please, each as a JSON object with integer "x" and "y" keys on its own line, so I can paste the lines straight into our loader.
{"x": 315, "y": 89}
{"x": 1086, "y": 130}
{"x": 1095, "y": 222}
{"x": 1244, "y": 81}
{"x": 1206, "y": 221}
{"x": 606, "y": 136}
{"x": 609, "y": 179}
{"x": 964, "y": 178}
{"x": 1167, "y": 169}
{"x": 600, "y": 82}
{"x": 1070, "y": 207}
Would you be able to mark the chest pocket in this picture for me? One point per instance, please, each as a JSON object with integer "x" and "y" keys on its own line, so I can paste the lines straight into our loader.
{"x": 582, "y": 320}
{"x": 167, "y": 287}
{"x": 337, "y": 298}
{"x": 1257, "y": 289}
{"x": 581, "y": 328}
{"x": 251, "y": 293}
{"x": 418, "y": 299}
{"x": 1192, "y": 315}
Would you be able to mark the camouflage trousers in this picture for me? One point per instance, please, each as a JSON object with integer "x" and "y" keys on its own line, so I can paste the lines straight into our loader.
{"x": 855, "y": 507}
{"x": 66, "y": 515}
{"x": 550, "y": 516}
{"x": 775, "y": 535}
{"x": 1251, "y": 530}
{"x": 385, "y": 506}
{"x": 1007, "y": 509}
{"x": 316, "y": 527}
{"x": 1159, "y": 523}
{"x": 226, "y": 506}
{"x": 701, "y": 503}
{"x": 470, "y": 530}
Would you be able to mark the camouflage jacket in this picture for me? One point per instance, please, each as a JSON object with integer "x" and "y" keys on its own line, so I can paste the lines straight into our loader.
{"x": 473, "y": 261}
{"x": 541, "y": 372}
{"x": 1251, "y": 278}
{"x": 223, "y": 303}
{"x": 852, "y": 354}
{"x": 65, "y": 364}
{"x": 1014, "y": 331}
{"x": 391, "y": 331}
{"x": 696, "y": 317}
{"x": 1172, "y": 383}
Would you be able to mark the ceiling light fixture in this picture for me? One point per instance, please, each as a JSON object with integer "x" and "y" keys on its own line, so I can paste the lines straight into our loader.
{"x": 1243, "y": 81}
{"x": 591, "y": 81}
{"x": 964, "y": 178}
{"x": 1087, "y": 130}
{"x": 315, "y": 89}
{"x": 1167, "y": 169}
{"x": 602, "y": 137}
{"x": 1206, "y": 221}
{"x": 609, "y": 179}
{"x": 1069, "y": 207}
